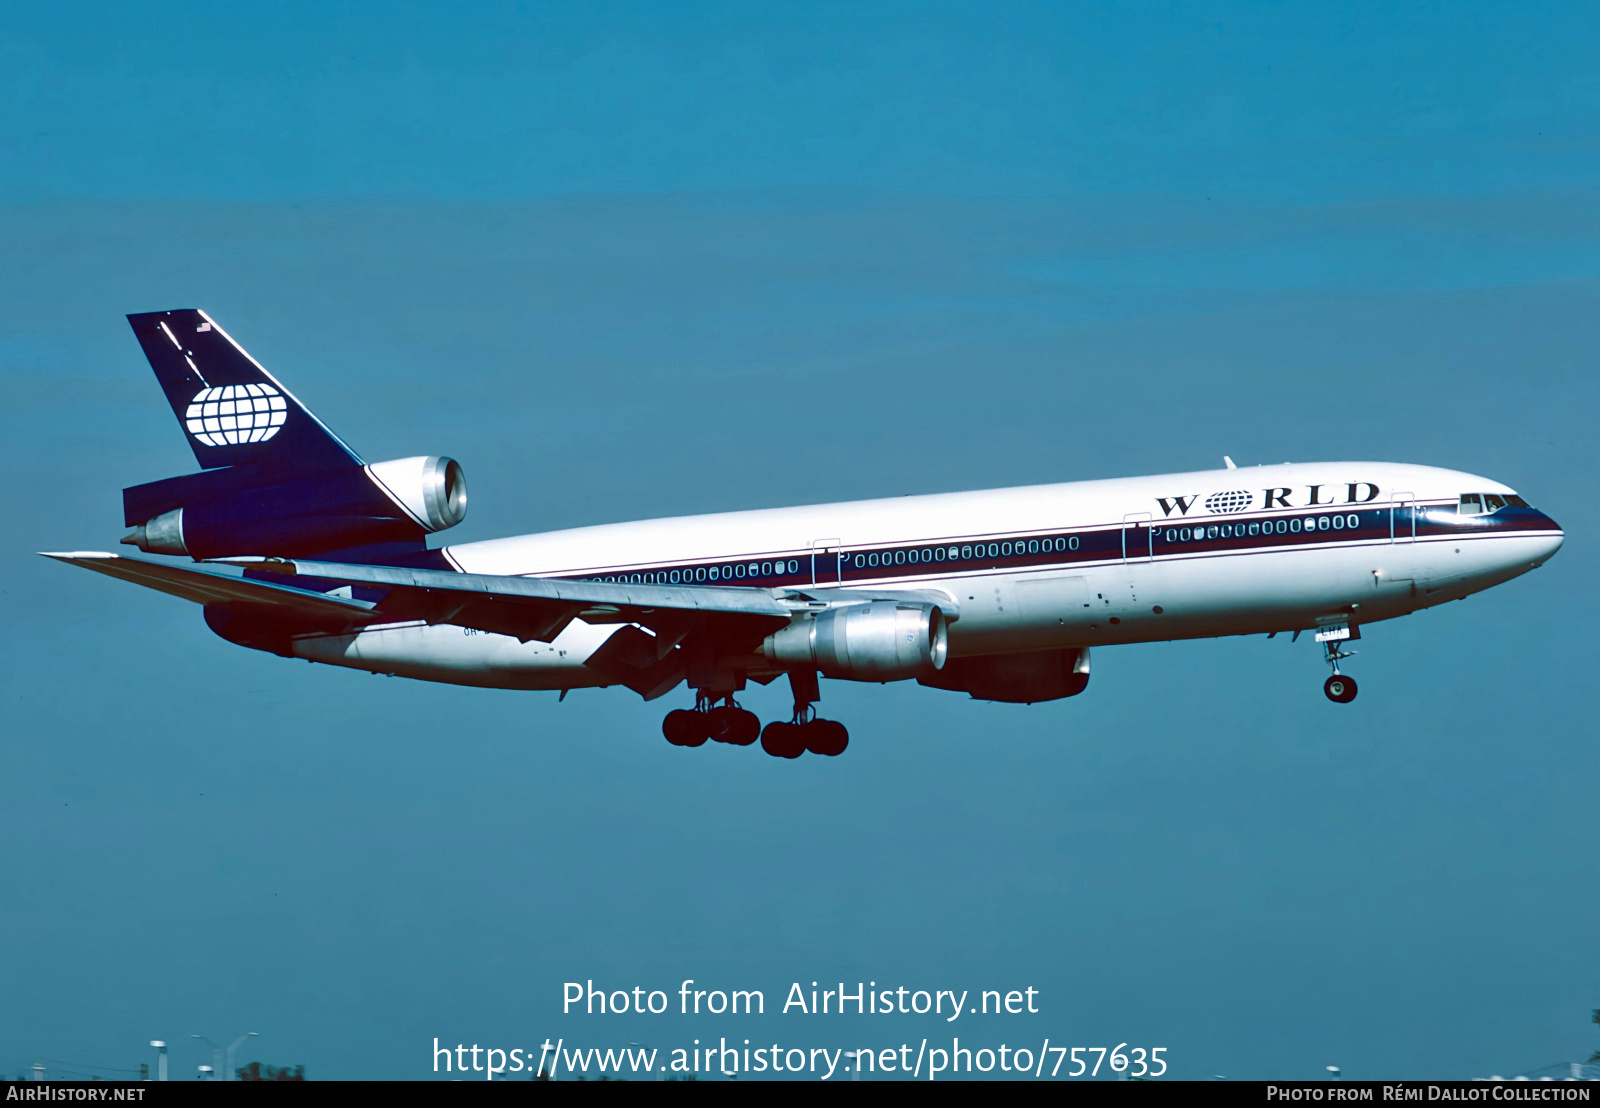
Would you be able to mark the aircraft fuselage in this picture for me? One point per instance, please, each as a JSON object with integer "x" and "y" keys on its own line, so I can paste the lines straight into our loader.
{"x": 1081, "y": 564}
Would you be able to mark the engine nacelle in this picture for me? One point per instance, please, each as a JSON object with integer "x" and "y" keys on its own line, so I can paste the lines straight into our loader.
{"x": 883, "y": 640}
{"x": 241, "y": 510}
{"x": 432, "y": 489}
{"x": 1016, "y": 678}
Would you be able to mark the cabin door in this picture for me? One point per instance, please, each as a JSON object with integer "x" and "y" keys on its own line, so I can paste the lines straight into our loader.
{"x": 827, "y": 561}
{"x": 1138, "y": 537}
{"x": 1402, "y": 517}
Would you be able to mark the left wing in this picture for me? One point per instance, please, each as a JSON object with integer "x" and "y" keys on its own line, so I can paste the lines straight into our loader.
{"x": 685, "y": 622}
{"x": 690, "y": 626}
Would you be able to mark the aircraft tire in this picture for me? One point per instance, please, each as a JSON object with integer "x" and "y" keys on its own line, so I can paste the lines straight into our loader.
{"x": 744, "y": 727}
{"x": 826, "y": 737}
{"x": 1340, "y": 689}
{"x": 686, "y": 728}
{"x": 720, "y": 724}
{"x": 697, "y": 728}
{"x": 783, "y": 740}
{"x": 676, "y": 726}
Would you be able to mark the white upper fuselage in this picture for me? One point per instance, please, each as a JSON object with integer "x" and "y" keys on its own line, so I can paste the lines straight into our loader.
{"x": 617, "y": 547}
{"x": 1086, "y": 563}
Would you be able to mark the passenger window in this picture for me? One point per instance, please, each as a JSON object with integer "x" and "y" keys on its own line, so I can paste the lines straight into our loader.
{"x": 1495, "y": 502}
{"x": 1471, "y": 504}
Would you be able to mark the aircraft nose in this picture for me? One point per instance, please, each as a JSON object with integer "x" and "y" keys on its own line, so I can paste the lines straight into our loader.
{"x": 1549, "y": 544}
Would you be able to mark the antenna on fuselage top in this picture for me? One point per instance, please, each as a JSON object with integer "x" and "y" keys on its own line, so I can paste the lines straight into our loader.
{"x": 1229, "y": 462}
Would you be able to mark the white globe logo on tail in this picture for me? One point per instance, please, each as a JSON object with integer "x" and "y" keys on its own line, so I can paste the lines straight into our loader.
{"x": 234, "y": 414}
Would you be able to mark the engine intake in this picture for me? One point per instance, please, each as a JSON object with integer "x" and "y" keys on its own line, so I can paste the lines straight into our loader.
{"x": 883, "y": 640}
{"x": 432, "y": 489}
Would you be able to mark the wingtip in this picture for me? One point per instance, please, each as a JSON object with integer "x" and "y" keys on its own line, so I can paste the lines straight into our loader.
{"x": 74, "y": 555}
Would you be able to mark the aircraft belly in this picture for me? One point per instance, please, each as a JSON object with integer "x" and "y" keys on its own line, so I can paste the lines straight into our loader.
{"x": 1274, "y": 591}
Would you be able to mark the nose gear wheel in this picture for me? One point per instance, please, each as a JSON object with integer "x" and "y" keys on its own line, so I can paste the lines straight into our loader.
{"x": 1340, "y": 688}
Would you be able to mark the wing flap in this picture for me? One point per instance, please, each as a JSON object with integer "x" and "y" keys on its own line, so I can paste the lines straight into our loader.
{"x": 632, "y": 658}
{"x": 523, "y": 619}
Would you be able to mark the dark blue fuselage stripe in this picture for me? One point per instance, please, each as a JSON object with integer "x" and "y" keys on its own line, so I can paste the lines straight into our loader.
{"x": 1135, "y": 542}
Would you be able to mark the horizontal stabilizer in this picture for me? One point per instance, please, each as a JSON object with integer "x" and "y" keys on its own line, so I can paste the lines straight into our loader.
{"x": 209, "y": 586}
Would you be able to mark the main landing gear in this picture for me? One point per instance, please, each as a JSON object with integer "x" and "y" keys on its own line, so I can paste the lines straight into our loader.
{"x": 790, "y": 740}
{"x": 729, "y": 723}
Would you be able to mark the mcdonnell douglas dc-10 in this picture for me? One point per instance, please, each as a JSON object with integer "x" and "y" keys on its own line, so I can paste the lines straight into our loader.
{"x": 998, "y": 594}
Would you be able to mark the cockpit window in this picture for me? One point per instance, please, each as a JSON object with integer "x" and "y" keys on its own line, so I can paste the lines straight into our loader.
{"x": 1483, "y": 503}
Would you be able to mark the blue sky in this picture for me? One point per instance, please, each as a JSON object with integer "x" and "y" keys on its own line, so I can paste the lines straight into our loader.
{"x": 630, "y": 261}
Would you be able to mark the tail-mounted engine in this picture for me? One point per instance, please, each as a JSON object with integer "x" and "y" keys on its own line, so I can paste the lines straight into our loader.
{"x": 245, "y": 510}
{"x": 884, "y": 640}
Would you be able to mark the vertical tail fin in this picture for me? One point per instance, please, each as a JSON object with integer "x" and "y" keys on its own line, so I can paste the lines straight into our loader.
{"x": 231, "y": 409}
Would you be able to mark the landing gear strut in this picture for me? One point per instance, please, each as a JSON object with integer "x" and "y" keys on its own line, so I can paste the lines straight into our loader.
{"x": 1339, "y": 688}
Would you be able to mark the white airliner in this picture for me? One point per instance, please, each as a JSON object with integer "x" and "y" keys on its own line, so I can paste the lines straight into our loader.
{"x": 999, "y": 594}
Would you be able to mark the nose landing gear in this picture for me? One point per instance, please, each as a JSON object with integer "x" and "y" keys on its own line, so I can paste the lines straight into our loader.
{"x": 1339, "y": 688}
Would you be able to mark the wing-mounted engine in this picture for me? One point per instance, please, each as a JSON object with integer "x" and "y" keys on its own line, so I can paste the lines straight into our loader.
{"x": 883, "y": 640}
{"x": 257, "y": 510}
{"x": 1016, "y": 678}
